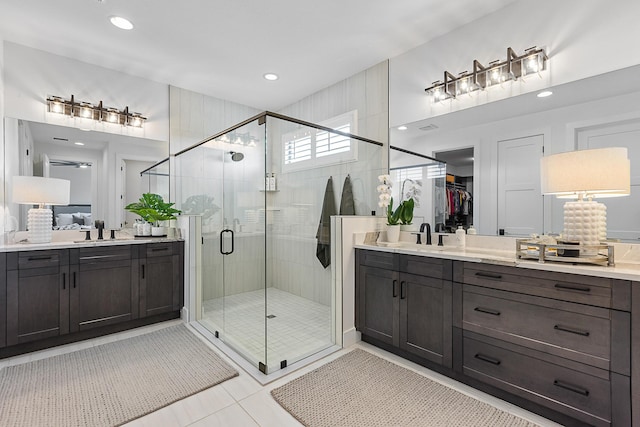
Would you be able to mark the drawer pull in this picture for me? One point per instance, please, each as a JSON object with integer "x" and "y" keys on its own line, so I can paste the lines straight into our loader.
{"x": 39, "y": 258}
{"x": 571, "y": 330}
{"x": 489, "y": 275}
{"x": 159, "y": 249}
{"x": 573, "y": 287}
{"x": 403, "y": 292}
{"x": 395, "y": 288}
{"x": 88, "y": 258}
{"x": 571, "y": 387}
{"x": 64, "y": 281}
{"x": 487, "y": 311}
{"x": 488, "y": 359}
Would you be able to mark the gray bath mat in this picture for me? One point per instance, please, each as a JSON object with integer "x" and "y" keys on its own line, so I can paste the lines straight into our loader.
{"x": 361, "y": 389}
{"x": 112, "y": 383}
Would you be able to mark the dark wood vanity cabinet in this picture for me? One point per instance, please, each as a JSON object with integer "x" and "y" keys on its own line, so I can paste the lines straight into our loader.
{"x": 562, "y": 345}
{"x": 103, "y": 286}
{"x": 559, "y": 340}
{"x": 160, "y": 270}
{"x": 64, "y": 295}
{"x": 404, "y": 301}
{"x": 37, "y": 304}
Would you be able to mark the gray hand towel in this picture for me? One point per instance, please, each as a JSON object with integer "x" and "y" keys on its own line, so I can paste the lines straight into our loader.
{"x": 347, "y": 205}
{"x": 323, "y": 248}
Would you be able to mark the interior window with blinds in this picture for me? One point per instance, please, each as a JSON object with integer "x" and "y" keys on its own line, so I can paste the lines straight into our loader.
{"x": 309, "y": 147}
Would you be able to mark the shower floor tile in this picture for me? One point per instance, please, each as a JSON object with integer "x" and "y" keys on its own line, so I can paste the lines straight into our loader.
{"x": 296, "y": 327}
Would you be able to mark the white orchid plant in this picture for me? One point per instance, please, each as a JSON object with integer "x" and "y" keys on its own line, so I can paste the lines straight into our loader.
{"x": 385, "y": 200}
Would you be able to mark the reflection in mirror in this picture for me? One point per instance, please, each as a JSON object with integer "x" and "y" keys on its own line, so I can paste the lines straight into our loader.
{"x": 510, "y": 136}
{"x": 104, "y": 170}
{"x": 457, "y": 207}
{"x": 422, "y": 178}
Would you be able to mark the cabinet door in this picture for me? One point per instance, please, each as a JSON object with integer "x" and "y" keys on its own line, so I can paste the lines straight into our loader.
{"x": 159, "y": 285}
{"x": 425, "y": 317}
{"x": 104, "y": 289}
{"x": 160, "y": 279}
{"x": 37, "y": 304}
{"x": 378, "y": 305}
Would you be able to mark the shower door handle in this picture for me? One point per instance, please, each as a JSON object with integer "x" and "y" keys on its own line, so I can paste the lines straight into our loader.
{"x": 222, "y": 251}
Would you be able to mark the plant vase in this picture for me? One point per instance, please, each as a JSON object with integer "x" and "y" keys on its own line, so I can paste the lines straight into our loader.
{"x": 393, "y": 233}
{"x": 145, "y": 229}
{"x": 158, "y": 231}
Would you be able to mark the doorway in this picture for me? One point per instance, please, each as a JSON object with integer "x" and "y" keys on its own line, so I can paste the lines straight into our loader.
{"x": 456, "y": 207}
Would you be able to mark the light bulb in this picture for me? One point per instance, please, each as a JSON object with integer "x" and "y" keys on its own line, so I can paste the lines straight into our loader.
{"x": 112, "y": 117}
{"x": 56, "y": 107}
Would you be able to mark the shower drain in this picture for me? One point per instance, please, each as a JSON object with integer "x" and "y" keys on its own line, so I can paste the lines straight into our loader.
{"x": 271, "y": 316}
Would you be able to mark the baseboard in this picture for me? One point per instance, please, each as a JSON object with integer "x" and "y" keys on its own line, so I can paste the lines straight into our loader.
{"x": 350, "y": 337}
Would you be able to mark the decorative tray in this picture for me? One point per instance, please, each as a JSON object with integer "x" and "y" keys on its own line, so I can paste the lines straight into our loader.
{"x": 601, "y": 254}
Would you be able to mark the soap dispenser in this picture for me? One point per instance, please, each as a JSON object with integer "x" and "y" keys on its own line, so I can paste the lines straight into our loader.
{"x": 460, "y": 237}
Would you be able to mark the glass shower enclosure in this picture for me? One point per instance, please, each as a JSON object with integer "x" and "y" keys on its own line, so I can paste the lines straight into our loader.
{"x": 262, "y": 190}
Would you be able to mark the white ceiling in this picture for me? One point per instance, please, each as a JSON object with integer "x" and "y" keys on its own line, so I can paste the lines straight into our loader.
{"x": 223, "y": 48}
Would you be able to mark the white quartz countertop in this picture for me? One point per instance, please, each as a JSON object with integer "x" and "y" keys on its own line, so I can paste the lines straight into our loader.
{"x": 627, "y": 267}
{"x": 25, "y": 246}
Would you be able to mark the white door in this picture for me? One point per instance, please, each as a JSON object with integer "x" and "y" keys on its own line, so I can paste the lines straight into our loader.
{"x": 520, "y": 203}
{"x": 623, "y": 213}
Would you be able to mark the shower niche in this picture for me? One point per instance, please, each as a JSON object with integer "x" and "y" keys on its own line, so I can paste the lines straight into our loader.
{"x": 263, "y": 293}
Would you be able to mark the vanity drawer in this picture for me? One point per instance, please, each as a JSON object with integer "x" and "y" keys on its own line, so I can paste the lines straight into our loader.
{"x": 380, "y": 259}
{"x": 40, "y": 262}
{"x": 582, "y": 392}
{"x": 436, "y": 268}
{"x": 159, "y": 249}
{"x": 569, "y": 287}
{"x": 101, "y": 257}
{"x": 566, "y": 329}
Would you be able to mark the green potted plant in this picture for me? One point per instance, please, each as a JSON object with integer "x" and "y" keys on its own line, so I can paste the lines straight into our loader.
{"x": 406, "y": 215}
{"x": 153, "y": 209}
{"x": 411, "y": 195}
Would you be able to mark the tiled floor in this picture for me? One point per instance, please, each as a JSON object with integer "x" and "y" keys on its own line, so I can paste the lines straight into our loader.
{"x": 242, "y": 401}
{"x": 296, "y": 327}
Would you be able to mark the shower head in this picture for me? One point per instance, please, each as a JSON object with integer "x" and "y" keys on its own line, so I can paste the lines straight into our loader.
{"x": 236, "y": 156}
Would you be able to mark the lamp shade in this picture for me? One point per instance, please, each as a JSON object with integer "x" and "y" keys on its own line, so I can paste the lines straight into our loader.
{"x": 36, "y": 190}
{"x": 600, "y": 172}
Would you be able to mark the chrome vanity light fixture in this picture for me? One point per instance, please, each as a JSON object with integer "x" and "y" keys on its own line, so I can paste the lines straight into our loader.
{"x": 583, "y": 175}
{"x": 533, "y": 61}
{"x": 98, "y": 112}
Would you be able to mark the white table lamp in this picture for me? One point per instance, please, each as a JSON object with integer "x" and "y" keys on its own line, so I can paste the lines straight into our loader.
{"x": 35, "y": 190}
{"x": 583, "y": 175}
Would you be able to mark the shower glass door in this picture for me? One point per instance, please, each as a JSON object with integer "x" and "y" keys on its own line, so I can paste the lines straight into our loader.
{"x": 242, "y": 242}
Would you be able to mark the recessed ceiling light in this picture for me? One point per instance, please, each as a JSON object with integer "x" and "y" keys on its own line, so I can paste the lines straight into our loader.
{"x": 79, "y": 143}
{"x": 271, "y": 76}
{"x": 544, "y": 94}
{"x": 121, "y": 22}
{"x": 402, "y": 127}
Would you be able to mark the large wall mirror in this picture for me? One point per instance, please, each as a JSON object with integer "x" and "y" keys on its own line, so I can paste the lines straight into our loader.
{"x": 508, "y": 138}
{"x": 103, "y": 168}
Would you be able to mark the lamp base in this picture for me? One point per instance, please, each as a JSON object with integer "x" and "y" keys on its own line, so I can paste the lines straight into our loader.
{"x": 39, "y": 225}
{"x": 585, "y": 221}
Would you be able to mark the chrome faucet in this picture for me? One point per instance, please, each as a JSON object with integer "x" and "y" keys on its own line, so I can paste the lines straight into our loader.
{"x": 428, "y": 232}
